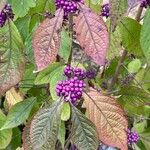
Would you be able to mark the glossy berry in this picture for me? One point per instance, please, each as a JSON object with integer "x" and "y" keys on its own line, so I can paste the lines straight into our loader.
{"x": 71, "y": 89}
{"x": 133, "y": 137}
{"x": 69, "y": 71}
{"x": 145, "y": 3}
{"x": 79, "y": 73}
{"x": 105, "y": 12}
{"x": 5, "y": 14}
{"x": 69, "y": 6}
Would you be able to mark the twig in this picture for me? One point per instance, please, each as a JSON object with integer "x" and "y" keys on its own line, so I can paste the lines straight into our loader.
{"x": 124, "y": 54}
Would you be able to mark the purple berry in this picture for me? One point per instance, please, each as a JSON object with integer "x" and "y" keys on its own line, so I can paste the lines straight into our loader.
{"x": 145, "y": 3}
{"x": 68, "y": 6}
{"x": 90, "y": 74}
{"x": 133, "y": 137}
{"x": 71, "y": 89}
{"x": 105, "y": 10}
{"x": 5, "y": 14}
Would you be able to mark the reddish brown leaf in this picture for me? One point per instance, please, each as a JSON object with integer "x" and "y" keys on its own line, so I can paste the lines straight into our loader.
{"x": 12, "y": 61}
{"x": 26, "y": 138}
{"x": 46, "y": 41}
{"x": 108, "y": 117}
{"x": 92, "y": 35}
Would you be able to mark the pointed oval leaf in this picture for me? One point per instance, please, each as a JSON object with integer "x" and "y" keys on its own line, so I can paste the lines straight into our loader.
{"x": 134, "y": 96}
{"x": 27, "y": 145}
{"x": 145, "y": 36}
{"x": 57, "y": 75}
{"x": 45, "y": 126}
{"x": 5, "y": 135}
{"x": 130, "y": 31}
{"x": 92, "y": 35}
{"x": 108, "y": 117}
{"x": 84, "y": 134}
{"x": 21, "y": 7}
{"x": 45, "y": 75}
{"x": 65, "y": 114}
{"x": 46, "y": 41}
{"x": 19, "y": 113}
{"x": 11, "y": 60}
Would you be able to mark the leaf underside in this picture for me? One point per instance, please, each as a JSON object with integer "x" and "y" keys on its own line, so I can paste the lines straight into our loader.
{"x": 92, "y": 35}
{"x": 45, "y": 125}
{"x": 12, "y": 60}
{"x": 84, "y": 134}
{"x": 108, "y": 117}
{"x": 46, "y": 41}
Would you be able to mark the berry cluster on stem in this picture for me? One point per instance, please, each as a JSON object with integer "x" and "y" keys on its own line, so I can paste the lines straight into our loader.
{"x": 72, "y": 88}
{"x": 133, "y": 137}
{"x": 69, "y": 6}
{"x": 5, "y": 14}
{"x": 105, "y": 11}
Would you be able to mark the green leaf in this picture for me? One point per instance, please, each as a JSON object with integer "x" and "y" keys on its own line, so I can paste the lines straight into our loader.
{"x": 45, "y": 76}
{"x": 143, "y": 78}
{"x": 62, "y": 133}
{"x": 145, "y": 138}
{"x": 21, "y": 7}
{"x": 140, "y": 126}
{"x": 65, "y": 114}
{"x": 28, "y": 78}
{"x": 43, "y": 5}
{"x": 57, "y": 76}
{"x": 130, "y": 31}
{"x": 145, "y": 36}
{"x": 65, "y": 47}
{"x": 115, "y": 45}
{"x": 84, "y": 134}
{"x": 18, "y": 113}
{"x": 5, "y": 135}
{"x": 134, "y": 95}
{"x": 134, "y": 66}
{"x": 95, "y": 5}
{"x": 12, "y": 60}
{"x": 23, "y": 26}
{"x": 45, "y": 126}
{"x": 16, "y": 140}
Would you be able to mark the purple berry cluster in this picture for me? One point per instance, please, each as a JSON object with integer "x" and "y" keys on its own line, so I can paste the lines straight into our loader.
{"x": 69, "y": 6}
{"x": 105, "y": 12}
{"x": 145, "y": 3}
{"x": 74, "y": 72}
{"x": 5, "y": 14}
{"x": 133, "y": 137}
{"x": 71, "y": 89}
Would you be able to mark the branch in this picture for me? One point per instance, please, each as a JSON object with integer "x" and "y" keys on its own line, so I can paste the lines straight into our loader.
{"x": 124, "y": 54}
